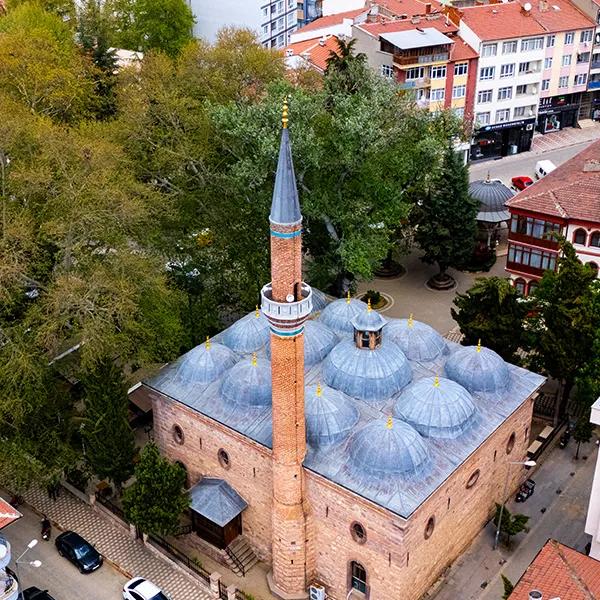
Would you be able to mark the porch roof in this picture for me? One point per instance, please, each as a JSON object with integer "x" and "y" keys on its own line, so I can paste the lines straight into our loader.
{"x": 217, "y": 501}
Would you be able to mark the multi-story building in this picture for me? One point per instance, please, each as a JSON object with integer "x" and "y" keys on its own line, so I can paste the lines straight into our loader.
{"x": 567, "y": 201}
{"x": 592, "y": 523}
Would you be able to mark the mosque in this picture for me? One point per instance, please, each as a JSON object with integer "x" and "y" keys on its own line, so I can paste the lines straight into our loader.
{"x": 356, "y": 454}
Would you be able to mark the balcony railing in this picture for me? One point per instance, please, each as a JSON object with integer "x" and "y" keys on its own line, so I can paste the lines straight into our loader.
{"x": 416, "y": 83}
{"x": 286, "y": 314}
{"x": 421, "y": 59}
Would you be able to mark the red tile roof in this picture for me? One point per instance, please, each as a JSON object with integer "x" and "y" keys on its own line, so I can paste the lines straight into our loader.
{"x": 508, "y": 20}
{"x": 572, "y": 191}
{"x": 461, "y": 50}
{"x": 313, "y": 51}
{"x": 329, "y": 20}
{"x": 7, "y": 514}
{"x": 407, "y": 7}
{"x": 560, "y": 572}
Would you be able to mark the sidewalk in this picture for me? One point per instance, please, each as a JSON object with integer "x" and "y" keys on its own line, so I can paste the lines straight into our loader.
{"x": 116, "y": 545}
{"x": 561, "y": 139}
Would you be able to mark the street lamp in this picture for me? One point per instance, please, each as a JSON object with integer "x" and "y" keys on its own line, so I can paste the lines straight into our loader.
{"x": 32, "y": 563}
{"x": 526, "y": 463}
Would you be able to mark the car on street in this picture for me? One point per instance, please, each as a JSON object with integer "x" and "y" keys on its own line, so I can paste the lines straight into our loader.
{"x": 79, "y": 551}
{"x": 139, "y": 588}
{"x": 543, "y": 167}
{"x": 521, "y": 182}
{"x": 33, "y": 593}
{"x": 525, "y": 491}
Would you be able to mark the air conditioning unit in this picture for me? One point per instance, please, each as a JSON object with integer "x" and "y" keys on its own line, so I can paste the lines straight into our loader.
{"x": 316, "y": 592}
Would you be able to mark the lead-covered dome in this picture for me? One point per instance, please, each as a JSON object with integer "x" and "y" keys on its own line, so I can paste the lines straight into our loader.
{"x": 388, "y": 446}
{"x": 478, "y": 369}
{"x": 319, "y": 300}
{"x": 248, "y": 383}
{"x": 368, "y": 320}
{"x": 436, "y": 407}
{"x": 418, "y": 341}
{"x": 492, "y": 196}
{"x": 367, "y": 374}
{"x": 339, "y": 314}
{"x": 248, "y": 334}
{"x": 204, "y": 364}
{"x": 330, "y": 416}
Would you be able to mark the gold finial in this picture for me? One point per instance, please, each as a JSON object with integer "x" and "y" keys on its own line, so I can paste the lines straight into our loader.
{"x": 390, "y": 423}
{"x": 488, "y": 177}
{"x": 319, "y": 390}
{"x": 369, "y": 307}
{"x": 257, "y": 312}
{"x": 284, "y": 118}
{"x": 479, "y": 345}
{"x": 207, "y": 343}
{"x": 348, "y": 297}
{"x": 436, "y": 381}
{"x": 410, "y": 320}
{"x": 254, "y": 361}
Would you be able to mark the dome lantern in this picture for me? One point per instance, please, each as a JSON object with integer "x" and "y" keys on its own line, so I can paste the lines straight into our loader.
{"x": 368, "y": 326}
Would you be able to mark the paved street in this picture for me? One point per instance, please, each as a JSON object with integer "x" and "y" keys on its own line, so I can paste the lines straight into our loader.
{"x": 557, "y": 510}
{"x": 59, "y": 577}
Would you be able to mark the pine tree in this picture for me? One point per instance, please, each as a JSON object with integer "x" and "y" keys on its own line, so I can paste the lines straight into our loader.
{"x": 508, "y": 587}
{"x": 511, "y": 524}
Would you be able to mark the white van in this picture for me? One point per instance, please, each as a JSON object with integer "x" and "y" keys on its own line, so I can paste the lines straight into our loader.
{"x": 543, "y": 167}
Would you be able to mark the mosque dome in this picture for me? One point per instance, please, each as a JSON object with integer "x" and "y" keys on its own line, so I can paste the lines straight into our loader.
{"x": 248, "y": 334}
{"x": 338, "y": 314}
{"x": 436, "y": 407}
{"x": 318, "y": 342}
{"x": 478, "y": 369}
{"x": 204, "y": 363}
{"x": 388, "y": 446}
{"x": 248, "y": 383}
{"x": 319, "y": 300}
{"x": 367, "y": 374}
{"x": 417, "y": 340}
{"x": 330, "y": 416}
{"x": 492, "y": 196}
{"x": 368, "y": 320}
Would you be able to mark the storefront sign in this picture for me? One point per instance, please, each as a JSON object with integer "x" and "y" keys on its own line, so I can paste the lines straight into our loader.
{"x": 507, "y": 125}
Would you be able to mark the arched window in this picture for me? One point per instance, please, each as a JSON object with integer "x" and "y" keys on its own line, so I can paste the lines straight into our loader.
{"x": 594, "y": 267}
{"x": 511, "y": 442}
{"x": 531, "y": 287}
{"x": 358, "y": 532}
{"x": 178, "y": 434}
{"x": 579, "y": 236}
{"x": 358, "y": 577}
{"x": 520, "y": 284}
{"x": 595, "y": 239}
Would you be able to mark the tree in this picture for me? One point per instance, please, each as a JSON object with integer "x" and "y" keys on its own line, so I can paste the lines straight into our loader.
{"x": 511, "y": 524}
{"x": 583, "y": 431}
{"x": 508, "y": 586}
{"x": 109, "y": 440}
{"x": 155, "y": 501}
{"x": 345, "y": 69}
{"x": 445, "y": 219}
{"x": 492, "y": 311}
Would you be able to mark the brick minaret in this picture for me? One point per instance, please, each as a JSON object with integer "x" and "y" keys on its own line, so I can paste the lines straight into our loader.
{"x": 287, "y": 303}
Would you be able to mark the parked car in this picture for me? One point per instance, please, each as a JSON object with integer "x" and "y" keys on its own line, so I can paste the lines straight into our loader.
{"x": 139, "y": 588}
{"x": 80, "y": 552}
{"x": 521, "y": 182}
{"x": 525, "y": 490}
{"x": 33, "y": 593}
{"x": 543, "y": 167}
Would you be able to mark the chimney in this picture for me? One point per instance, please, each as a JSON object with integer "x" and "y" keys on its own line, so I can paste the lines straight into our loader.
{"x": 428, "y": 8}
{"x": 289, "y": 52}
{"x": 535, "y": 595}
{"x": 543, "y": 6}
{"x": 416, "y": 19}
{"x": 526, "y": 9}
{"x": 322, "y": 40}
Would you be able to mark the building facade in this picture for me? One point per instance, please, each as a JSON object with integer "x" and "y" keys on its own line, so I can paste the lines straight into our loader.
{"x": 592, "y": 523}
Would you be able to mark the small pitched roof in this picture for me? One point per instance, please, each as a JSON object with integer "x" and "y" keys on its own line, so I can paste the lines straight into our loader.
{"x": 560, "y": 571}
{"x": 285, "y": 208}
{"x": 217, "y": 501}
{"x": 316, "y": 51}
{"x": 437, "y": 22}
{"x": 8, "y": 514}
{"x": 329, "y": 20}
{"x": 572, "y": 191}
{"x": 407, "y": 7}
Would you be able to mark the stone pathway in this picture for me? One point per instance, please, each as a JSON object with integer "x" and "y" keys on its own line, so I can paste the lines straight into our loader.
{"x": 566, "y": 137}
{"x": 116, "y": 545}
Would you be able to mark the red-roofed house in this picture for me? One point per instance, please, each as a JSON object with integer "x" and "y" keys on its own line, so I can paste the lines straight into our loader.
{"x": 566, "y": 201}
{"x": 311, "y": 53}
{"x": 339, "y": 24}
{"x": 559, "y": 572}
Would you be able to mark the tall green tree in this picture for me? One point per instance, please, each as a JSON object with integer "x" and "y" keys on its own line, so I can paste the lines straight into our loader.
{"x": 511, "y": 524}
{"x": 445, "y": 218}
{"x": 155, "y": 501}
{"x": 109, "y": 441}
{"x": 508, "y": 586}
{"x": 583, "y": 431}
{"x": 493, "y": 311}
{"x": 346, "y": 70}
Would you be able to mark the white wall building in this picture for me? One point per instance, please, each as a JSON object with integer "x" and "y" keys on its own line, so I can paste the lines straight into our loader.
{"x": 592, "y": 524}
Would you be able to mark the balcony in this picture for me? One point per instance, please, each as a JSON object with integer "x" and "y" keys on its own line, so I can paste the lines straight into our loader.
{"x": 548, "y": 243}
{"x": 595, "y": 64}
{"x": 286, "y": 315}
{"x": 412, "y": 84}
{"x": 421, "y": 59}
{"x": 593, "y": 85}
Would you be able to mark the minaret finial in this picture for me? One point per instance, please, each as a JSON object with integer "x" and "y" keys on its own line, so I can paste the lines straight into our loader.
{"x": 319, "y": 390}
{"x": 390, "y": 423}
{"x": 207, "y": 343}
{"x": 284, "y": 117}
{"x": 479, "y": 345}
{"x": 257, "y": 312}
{"x": 254, "y": 359}
{"x": 436, "y": 381}
{"x": 410, "y": 320}
{"x": 348, "y": 297}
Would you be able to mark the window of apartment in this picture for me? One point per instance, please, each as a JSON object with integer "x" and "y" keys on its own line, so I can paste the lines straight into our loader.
{"x": 505, "y": 93}
{"x": 483, "y": 118}
{"x": 486, "y": 73}
{"x": 529, "y": 67}
{"x": 536, "y": 228}
{"x": 461, "y": 68}
{"x": 524, "y": 111}
{"x": 510, "y": 47}
{"x": 566, "y": 60}
{"x": 569, "y": 37}
{"x": 580, "y": 79}
{"x": 580, "y": 236}
{"x": 507, "y": 70}
{"x": 583, "y": 57}
{"x": 265, "y": 29}
{"x": 415, "y": 73}
{"x": 484, "y": 96}
{"x": 531, "y": 257}
{"x": 280, "y": 41}
{"x": 459, "y": 91}
{"x": 280, "y": 6}
{"x": 548, "y": 62}
{"x": 489, "y": 49}
{"x": 265, "y": 11}
{"x": 503, "y": 115}
{"x": 595, "y": 59}
{"x": 437, "y": 95}
{"x": 459, "y": 112}
{"x": 536, "y": 43}
{"x": 545, "y": 85}
{"x": 291, "y": 3}
{"x": 387, "y": 71}
{"x": 550, "y": 41}
{"x": 563, "y": 81}
{"x": 521, "y": 90}
{"x": 438, "y": 72}
{"x": 586, "y": 36}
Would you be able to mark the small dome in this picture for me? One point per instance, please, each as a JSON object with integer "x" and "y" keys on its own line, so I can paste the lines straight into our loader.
{"x": 478, "y": 369}
{"x": 417, "y": 340}
{"x": 339, "y": 314}
{"x": 492, "y": 195}
{"x": 248, "y": 383}
{"x": 436, "y": 407}
{"x": 368, "y": 320}
{"x": 248, "y": 334}
{"x": 204, "y": 363}
{"x": 318, "y": 342}
{"x": 388, "y": 446}
{"x": 367, "y": 374}
{"x": 319, "y": 300}
{"x": 330, "y": 416}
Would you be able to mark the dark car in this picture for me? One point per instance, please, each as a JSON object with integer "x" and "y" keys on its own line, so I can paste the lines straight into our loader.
{"x": 525, "y": 490}
{"x": 34, "y": 593}
{"x": 81, "y": 553}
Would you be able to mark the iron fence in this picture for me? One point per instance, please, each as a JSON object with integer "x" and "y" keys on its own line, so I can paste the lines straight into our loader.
{"x": 182, "y": 558}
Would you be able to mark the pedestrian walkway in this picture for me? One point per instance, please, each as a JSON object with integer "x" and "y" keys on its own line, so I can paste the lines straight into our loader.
{"x": 567, "y": 137}
{"x": 113, "y": 542}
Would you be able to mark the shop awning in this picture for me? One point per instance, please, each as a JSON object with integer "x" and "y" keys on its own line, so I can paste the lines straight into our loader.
{"x": 217, "y": 501}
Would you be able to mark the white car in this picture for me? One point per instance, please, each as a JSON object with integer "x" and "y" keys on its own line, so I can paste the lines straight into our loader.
{"x": 139, "y": 588}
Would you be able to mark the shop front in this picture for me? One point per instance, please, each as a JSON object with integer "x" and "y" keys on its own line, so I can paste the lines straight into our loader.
{"x": 502, "y": 139}
{"x": 557, "y": 112}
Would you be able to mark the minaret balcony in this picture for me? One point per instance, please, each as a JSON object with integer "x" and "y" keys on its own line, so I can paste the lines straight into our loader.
{"x": 286, "y": 315}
